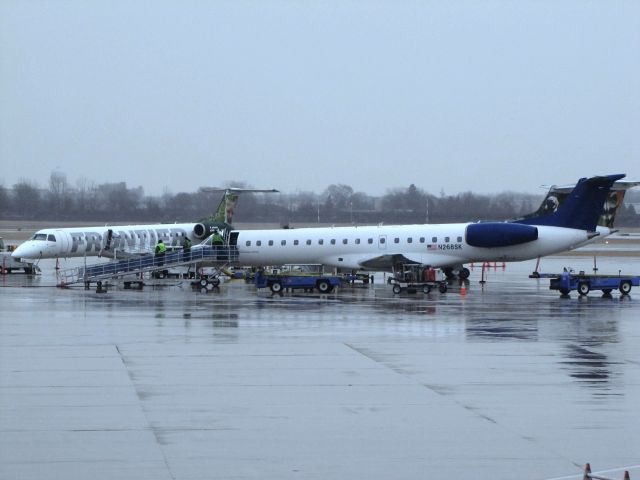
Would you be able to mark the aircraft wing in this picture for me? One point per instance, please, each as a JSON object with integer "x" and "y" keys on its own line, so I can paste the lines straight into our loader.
{"x": 386, "y": 262}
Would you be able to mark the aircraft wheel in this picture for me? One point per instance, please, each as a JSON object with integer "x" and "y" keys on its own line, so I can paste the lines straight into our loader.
{"x": 426, "y": 288}
{"x": 276, "y": 287}
{"x": 323, "y": 286}
{"x": 464, "y": 273}
{"x": 625, "y": 288}
{"x": 442, "y": 288}
{"x": 583, "y": 288}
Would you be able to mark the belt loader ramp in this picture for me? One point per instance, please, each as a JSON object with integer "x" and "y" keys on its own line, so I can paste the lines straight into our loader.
{"x": 215, "y": 256}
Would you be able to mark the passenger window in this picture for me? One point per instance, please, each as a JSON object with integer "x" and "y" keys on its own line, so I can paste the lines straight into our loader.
{"x": 383, "y": 240}
{"x": 421, "y": 239}
{"x": 308, "y": 242}
{"x": 370, "y": 241}
{"x": 51, "y": 238}
{"x": 345, "y": 241}
{"x": 396, "y": 240}
{"x": 271, "y": 243}
{"x": 258, "y": 243}
{"x": 248, "y": 244}
{"x": 321, "y": 242}
{"x": 295, "y": 242}
{"x": 459, "y": 239}
{"x": 333, "y": 241}
{"x": 357, "y": 241}
{"x": 409, "y": 240}
{"x": 446, "y": 239}
{"x": 283, "y": 242}
{"x": 434, "y": 239}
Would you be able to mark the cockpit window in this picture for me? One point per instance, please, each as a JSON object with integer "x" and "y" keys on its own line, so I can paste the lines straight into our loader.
{"x": 39, "y": 236}
{"x": 51, "y": 238}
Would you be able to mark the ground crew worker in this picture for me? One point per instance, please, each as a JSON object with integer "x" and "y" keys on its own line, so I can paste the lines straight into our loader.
{"x": 161, "y": 249}
{"x": 186, "y": 249}
{"x": 217, "y": 242}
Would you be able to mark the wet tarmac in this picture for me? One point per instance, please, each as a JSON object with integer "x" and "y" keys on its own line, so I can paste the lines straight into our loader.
{"x": 509, "y": 381}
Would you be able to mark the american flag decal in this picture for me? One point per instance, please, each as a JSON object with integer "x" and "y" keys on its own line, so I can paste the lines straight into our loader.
{"x": 432, "y": 246}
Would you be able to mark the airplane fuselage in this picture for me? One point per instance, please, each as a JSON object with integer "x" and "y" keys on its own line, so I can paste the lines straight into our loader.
{"x": 91, "y": 241}
{"x": 378, "y": 247}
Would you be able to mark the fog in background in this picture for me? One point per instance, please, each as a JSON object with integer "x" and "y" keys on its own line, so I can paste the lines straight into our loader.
{"x": 87, "y": 200}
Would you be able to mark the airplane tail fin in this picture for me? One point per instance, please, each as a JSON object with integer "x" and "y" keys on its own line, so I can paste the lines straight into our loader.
{"x": 581, "y": 209}
{"x": 612, "y": 204}
{"x": 227, "y": 206}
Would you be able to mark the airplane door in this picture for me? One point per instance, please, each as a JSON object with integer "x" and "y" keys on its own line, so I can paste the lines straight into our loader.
{"x": 62, "y": 239}
{"x": 233, "y": 238}
{"x": 382, "y": 242}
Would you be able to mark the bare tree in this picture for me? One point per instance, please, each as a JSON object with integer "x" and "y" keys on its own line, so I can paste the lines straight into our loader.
{"x": 26, "y": 199}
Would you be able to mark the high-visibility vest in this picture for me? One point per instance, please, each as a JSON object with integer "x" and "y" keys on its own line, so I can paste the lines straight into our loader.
{"x": 161, "y": 248}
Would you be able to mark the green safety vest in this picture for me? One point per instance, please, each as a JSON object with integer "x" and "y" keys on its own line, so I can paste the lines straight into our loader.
{"x": 161, "y": 248}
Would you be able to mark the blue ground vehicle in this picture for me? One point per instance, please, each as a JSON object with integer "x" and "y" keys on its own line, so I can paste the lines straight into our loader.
{"x": 583, "y": 284}
{"x": 277, "y": 282}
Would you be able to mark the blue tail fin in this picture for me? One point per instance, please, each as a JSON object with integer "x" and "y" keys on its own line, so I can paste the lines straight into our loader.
{"x": 582, "y": 208}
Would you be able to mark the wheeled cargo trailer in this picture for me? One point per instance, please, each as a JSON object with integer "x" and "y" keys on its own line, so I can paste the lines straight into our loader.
{"x": 583, "y": 283}
{"x": 278, "y": 282}
{"x": 412, "y": 278}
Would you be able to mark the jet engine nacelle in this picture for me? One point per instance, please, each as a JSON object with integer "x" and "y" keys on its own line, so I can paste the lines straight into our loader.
{"x": 203, "y": 230}
{"x": 493, "y": 234}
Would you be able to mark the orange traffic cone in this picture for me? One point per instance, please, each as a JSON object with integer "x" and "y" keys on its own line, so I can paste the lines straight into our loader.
{"x": 463, "y": 290}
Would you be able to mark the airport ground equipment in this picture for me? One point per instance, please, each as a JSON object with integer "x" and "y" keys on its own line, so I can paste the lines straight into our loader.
{"x": 412, "y": 278}
{"x": 278, "y": 282}
{"x": 201, "y": 255}
{"x": 352, "y": 278}
{"x": 206, "y": 283}
{"x": 8, "y": 264}
{"x": 584, "y": 283}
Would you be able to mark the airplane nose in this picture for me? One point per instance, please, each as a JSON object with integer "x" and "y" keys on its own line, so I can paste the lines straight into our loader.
{"x": 25, "y": 251}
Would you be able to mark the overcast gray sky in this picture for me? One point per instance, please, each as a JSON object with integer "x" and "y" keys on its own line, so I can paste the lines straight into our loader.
{"x": 454, "y": 95}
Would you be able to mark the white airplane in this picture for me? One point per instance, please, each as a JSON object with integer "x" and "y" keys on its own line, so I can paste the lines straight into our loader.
{"x": 448, "y": 246}
{"x": 107, "y": 240}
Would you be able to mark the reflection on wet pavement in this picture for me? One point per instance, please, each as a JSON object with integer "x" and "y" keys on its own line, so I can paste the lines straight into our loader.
{"x": 507, "y": 381}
